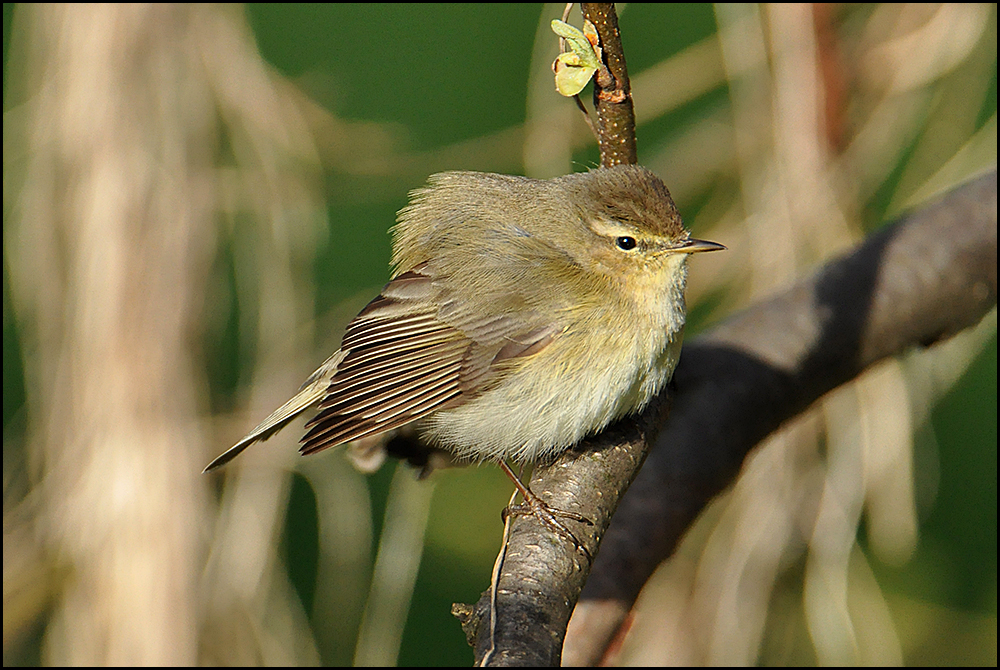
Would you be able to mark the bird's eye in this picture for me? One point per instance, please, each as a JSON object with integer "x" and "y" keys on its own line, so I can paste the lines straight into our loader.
{"x": 626, "y": 243}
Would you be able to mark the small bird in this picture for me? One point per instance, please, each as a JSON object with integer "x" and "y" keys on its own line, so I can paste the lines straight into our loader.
{"x": 521, "y": 316}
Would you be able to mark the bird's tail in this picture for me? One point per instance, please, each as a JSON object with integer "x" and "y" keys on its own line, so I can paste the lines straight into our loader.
{"x": 311, "y": 392}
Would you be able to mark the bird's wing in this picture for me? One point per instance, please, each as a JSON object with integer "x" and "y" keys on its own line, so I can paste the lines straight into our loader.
{"x": 415, "y": 349}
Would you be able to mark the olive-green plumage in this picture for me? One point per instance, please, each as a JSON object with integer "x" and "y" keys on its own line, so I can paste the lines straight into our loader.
{"x": 522, "y": 315}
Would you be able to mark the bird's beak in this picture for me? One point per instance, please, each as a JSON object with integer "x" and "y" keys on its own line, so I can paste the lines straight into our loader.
{"x": 696, "y": 246}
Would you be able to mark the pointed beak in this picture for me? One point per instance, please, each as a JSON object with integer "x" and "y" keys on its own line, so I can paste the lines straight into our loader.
{"x": 697, "y": 246}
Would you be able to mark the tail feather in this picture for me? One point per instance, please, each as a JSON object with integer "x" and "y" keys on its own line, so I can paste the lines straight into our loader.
{"x": 311, "y": 392}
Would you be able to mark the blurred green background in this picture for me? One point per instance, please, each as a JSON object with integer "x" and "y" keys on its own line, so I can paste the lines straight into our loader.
{"x": 435, "y": 87}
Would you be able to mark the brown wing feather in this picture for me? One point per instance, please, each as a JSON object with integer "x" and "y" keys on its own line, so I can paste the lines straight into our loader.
{"x": 403, "y": 361}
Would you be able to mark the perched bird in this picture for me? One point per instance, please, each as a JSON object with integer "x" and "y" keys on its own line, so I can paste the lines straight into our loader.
{"x": 521, "y": 316}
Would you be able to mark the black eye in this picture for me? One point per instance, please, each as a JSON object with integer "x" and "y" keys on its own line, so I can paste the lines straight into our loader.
{"x": 626, "y": 243}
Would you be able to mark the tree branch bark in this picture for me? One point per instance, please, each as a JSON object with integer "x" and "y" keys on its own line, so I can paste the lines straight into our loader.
{"x": 612, "y": 90}
{"x": 918, "y": 281}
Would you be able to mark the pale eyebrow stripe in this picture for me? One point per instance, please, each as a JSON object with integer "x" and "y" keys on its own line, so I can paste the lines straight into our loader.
{"x": 612, "y": 228}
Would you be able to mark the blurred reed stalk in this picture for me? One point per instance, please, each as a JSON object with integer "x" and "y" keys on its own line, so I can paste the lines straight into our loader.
{"x": 121, "y": 200}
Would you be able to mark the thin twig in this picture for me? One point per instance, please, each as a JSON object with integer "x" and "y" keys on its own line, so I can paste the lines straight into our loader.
{"x": 612, "y": 91}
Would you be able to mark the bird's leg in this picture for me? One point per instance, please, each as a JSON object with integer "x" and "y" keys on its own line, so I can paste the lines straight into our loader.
{"x": 543, "y": 512}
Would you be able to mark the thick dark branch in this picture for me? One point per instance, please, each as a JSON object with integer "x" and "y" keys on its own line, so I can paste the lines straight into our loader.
{"x": 543, "y": 573}
{"x": 925, "y": 278}
{"x": 918, "y": 281}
